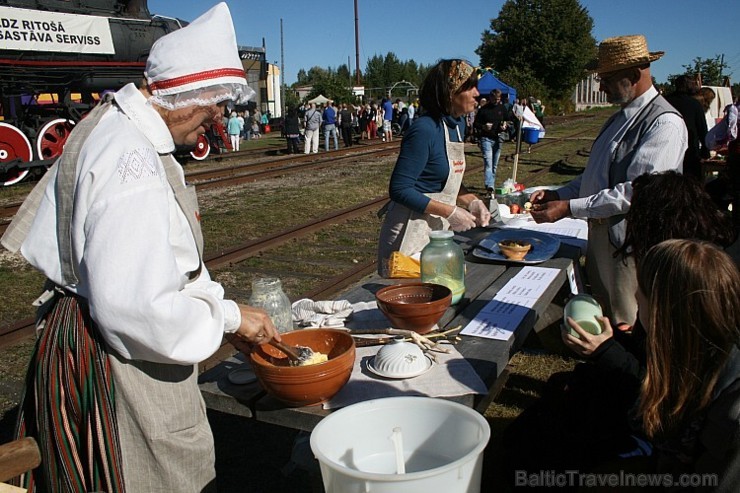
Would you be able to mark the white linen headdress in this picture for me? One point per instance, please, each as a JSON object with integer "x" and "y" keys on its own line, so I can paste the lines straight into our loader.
{"x": 198, "y": 64}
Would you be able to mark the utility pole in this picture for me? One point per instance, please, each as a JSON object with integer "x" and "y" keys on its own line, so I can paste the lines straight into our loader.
{"x": 282, "y": 72}
{"x": 357, "y": 45}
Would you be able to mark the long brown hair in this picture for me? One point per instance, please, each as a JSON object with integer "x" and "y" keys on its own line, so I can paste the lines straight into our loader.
{"x": 692, "y": 290}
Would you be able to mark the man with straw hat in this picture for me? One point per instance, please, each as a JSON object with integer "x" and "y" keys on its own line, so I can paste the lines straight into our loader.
{"x": 112, "y": 396}
{"x": 647, "y": 135}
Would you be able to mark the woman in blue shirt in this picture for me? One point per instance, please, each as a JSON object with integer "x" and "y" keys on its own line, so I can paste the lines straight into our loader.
{"x": 426, "y": 187}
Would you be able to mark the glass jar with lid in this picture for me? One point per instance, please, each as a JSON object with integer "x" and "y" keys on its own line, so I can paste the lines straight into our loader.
{"x": 443, "y": 262}
{"x": 268, "y": 294}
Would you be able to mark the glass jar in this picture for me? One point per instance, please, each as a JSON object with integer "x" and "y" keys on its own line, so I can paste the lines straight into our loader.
{"x": 443, "y": 262}
{"x": 267, "y": 293}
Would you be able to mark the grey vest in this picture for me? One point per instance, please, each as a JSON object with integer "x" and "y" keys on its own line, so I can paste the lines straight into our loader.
{"x": 625, "y": 152}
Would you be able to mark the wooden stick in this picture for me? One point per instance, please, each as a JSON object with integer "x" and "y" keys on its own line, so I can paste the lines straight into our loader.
{"x": 17, "y": 457}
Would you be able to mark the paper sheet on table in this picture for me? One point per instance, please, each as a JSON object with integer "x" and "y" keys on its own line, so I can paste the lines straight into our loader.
{"x": 568, "y": 230}
{"x": 501, "y": 316}
{"x": 450, "y": 376}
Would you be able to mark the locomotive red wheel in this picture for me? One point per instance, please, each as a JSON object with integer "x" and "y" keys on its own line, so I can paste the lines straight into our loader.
{"x": 13, "y": 145}
{"x": 202, "y": 148}
{"x": 51, "y": 138}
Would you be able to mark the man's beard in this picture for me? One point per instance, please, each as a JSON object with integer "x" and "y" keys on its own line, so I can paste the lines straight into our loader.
{"x": 623, "y": 95}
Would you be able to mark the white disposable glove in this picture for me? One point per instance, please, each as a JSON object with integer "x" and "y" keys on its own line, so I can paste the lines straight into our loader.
{"x": 461, "y": 220}
{"x": 478, "y": 209}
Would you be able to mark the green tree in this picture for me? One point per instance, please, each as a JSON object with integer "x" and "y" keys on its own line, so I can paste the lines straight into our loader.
{"x": 381, "y": 72}
{"x": 548, "y": 41}
{"x": 713, "y": 70}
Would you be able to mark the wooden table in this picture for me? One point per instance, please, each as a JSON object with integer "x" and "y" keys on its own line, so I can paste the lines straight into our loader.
{"x": 488, "y": 357}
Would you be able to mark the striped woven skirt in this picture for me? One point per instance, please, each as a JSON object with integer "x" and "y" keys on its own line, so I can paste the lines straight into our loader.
{"x": 68, "y": 406}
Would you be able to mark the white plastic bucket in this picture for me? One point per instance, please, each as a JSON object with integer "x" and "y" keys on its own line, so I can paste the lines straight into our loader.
{"x": 443, "y": 444}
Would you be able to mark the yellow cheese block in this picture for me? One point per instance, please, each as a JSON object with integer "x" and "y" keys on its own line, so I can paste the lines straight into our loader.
{"x": 402, "y": 266}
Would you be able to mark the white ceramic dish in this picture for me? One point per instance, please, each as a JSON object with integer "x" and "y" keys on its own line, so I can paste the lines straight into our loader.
{"x": 399, "y": 359}
{"x": 428, "y": 363}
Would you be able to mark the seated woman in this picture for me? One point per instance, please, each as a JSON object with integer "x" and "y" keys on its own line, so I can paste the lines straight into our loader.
{"x": 426, "y": 187}
{"x": 686, "y": 416}
{"x": 689, "y": 400}
{"x": 588, "y": 407}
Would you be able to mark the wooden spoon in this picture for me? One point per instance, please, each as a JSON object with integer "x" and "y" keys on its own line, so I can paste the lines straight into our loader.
{"x": 297, "y": 354}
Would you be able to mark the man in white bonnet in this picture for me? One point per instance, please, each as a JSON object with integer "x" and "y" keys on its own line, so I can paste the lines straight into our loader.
{"x": 112, "y": 397}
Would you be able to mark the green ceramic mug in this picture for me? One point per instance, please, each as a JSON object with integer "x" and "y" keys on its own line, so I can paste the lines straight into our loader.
{"x": 583, "y": 309}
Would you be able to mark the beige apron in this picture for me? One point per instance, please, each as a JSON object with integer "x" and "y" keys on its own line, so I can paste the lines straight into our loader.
{"x": 166, "y": 442}
{"x": 407, "y": 231}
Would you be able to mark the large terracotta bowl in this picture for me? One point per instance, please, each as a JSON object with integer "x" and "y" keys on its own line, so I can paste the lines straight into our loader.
{"x": 414, "y": 306}
{"x": 310, "y": 384}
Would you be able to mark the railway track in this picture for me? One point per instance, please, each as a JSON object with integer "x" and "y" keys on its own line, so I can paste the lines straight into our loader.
{"x": 24, "y": 329}
{"x": 241, "y": 172}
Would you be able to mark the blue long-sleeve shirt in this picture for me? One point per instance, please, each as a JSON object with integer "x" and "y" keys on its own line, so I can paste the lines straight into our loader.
{"x": 329, "y": 116}
{"x": 422, "y": 165}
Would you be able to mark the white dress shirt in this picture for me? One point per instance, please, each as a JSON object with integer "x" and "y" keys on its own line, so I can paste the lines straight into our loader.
{"x": 662, "y": 148}
{"x": 132, "y": 244}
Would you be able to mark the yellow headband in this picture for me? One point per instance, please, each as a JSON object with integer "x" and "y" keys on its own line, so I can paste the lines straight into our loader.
{"x": 460, "y": 71}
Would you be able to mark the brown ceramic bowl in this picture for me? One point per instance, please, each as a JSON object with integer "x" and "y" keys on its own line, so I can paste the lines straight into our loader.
{"x": 415, "y": 306}
{"x": 514, "y": 249}
{"x": 310, "y": 384}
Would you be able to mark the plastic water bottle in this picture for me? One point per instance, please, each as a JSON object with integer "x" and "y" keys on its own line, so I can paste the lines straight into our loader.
{"x": 267, "y": 293}
{"x": 443, "y": 262}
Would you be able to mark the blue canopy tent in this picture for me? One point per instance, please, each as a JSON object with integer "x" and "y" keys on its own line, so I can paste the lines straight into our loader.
{"x": 488, "y": 82}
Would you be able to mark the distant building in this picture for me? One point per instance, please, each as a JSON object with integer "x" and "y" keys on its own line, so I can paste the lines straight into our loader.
{"x": 587, "y": 95}
{"x": 264, "y": 78}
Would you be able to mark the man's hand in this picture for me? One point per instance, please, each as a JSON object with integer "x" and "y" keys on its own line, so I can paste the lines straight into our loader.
{"x": 542, "y": 196}
{"x": 549, "y": 212}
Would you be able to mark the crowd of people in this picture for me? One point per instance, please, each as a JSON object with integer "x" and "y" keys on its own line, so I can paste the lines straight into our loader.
{"x": 663, "y": 382}
{"x": 347, "y": 121}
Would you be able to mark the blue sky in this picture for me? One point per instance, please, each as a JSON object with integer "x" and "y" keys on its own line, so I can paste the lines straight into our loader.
{"x": 321, "y": 32}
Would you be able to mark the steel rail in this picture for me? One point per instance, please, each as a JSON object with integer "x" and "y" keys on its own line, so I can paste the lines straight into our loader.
{"x": 23, "y": 329}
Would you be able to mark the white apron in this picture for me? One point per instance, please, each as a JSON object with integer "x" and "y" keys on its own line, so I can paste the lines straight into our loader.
{"x": 407, "y": 231}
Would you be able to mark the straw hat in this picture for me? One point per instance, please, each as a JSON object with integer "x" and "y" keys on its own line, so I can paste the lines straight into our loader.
{"x": 622, "y": 52}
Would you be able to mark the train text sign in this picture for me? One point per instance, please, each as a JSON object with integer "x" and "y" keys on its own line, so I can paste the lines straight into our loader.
{"x": 34, "y": 30}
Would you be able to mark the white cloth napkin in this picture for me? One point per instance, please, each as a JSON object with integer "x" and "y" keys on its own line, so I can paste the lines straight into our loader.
{"x": 315, "y": 314}
{"x": 451, "y": 375}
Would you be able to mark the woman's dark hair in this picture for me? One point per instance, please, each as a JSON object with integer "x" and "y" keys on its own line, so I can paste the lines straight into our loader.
{"x": 436, "y": 90}
{"x": 670, "y": 205}
{"x": 686, "y": 84}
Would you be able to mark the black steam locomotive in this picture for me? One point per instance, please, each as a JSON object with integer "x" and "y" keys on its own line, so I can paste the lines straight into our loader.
{"x": 56, "y": 58}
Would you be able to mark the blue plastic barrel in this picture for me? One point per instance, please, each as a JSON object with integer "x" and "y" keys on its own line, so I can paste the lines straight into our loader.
{"x": 531, "y": 135}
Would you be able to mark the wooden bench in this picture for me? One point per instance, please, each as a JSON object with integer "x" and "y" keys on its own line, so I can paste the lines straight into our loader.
{"x": 16, "y": 458}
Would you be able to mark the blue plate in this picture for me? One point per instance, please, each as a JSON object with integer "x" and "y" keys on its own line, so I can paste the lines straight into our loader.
{"x": 544, "y": 246}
